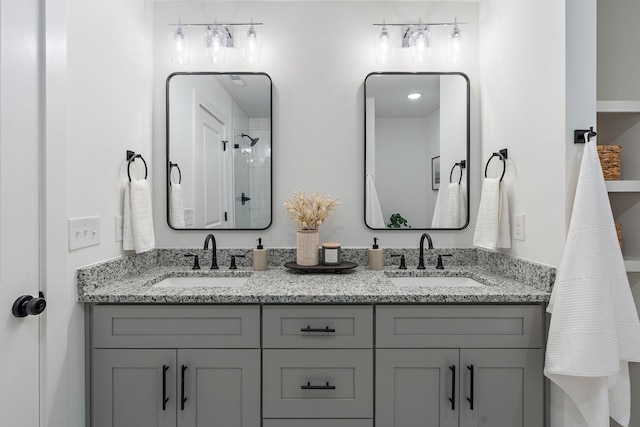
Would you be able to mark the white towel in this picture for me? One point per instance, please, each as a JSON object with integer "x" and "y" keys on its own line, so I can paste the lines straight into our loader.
{"x": 176, "y": 207}
{"x": 453, "y": 214}
{"x": 138, "y": 221}
{"x": 492, "y": 225}
{"x": 594, "y": 330}
{"x": 373, "y": 212}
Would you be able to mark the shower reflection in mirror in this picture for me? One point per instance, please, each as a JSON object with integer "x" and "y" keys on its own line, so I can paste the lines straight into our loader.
{"x": 219, "y": 132}
{"x": 416, "y": 130}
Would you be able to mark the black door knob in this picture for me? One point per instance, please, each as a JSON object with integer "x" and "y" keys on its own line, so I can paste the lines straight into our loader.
{"x": 27, "y": 305}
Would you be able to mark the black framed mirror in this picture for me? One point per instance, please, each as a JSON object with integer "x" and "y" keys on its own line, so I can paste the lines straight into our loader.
{"x": 219, "y": 148}
{"x": 417, "y": 144}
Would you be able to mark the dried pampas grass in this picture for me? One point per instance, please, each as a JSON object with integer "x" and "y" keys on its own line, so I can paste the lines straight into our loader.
{"x": 308, "y": 214}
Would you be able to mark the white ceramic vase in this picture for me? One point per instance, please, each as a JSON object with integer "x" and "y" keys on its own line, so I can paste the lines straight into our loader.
{"x": 307, "y": 244}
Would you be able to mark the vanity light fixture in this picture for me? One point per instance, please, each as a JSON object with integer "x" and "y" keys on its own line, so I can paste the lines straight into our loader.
{"x": 413, "y": 96}
{"x": 418, "y": 38}
{"x": 179, "y": 46}
{"x": 217, "y": 38}
{"x": 383, "y": 46}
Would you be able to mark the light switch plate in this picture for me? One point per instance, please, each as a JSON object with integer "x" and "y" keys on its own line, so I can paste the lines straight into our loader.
{"x": 83, "y": 232}
{"x": 518, "y": 226}
{"x": 188, "y": 217}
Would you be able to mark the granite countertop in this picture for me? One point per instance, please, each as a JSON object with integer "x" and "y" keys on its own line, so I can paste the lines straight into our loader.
{"x": 279, "y": 285}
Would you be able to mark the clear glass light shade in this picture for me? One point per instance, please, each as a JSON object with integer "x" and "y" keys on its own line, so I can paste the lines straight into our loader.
{"x": 420, "y": 44}
{"x": 383, "y": 47}
{"x": 215, "y": 45}
{"x": 455, "y": 46}
{"x": 179, "y": 46}
{"x": 251, "y": 46}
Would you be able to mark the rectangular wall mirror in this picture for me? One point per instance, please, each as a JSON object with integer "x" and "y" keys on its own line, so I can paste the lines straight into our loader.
{"x": 416, "y": 151}
{"x": 219, "y": 151}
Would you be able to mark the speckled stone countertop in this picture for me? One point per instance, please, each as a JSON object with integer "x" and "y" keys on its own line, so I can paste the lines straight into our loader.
{"x": 113, "y": 283}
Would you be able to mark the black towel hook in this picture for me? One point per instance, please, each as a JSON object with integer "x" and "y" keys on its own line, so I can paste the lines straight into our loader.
{"x": 502, "y": 154}
{"x": 578, "y": 135}
{"x": 171, "y": 166}
{"x": 461, "y": 164}
{"x": 131, "y": 157}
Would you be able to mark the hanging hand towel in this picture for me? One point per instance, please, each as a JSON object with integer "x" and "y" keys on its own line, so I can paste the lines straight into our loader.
{"x": 127, "y": 225}
{"x": 492, "y": 225}
{"x": 373, "y": 212}
{"x": 437, "y": 210}
{"x": 176, "y": 206}
{"x": 454, "y": 213}
{"x": 594, "y": 330}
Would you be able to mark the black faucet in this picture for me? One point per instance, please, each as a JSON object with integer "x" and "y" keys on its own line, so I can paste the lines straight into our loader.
{"x": 233, "y": 262}
{"x": 214, "y": 256}
{"x": 421, "y": 255}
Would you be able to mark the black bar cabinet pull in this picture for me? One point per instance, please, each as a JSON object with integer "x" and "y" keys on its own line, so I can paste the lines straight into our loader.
{"x": 452, "y": 399}
{"x": 470, "y": 399}
{"x": 165, "y": 399}
{"x": 183, "y": 399}
{"x": 310, "y": 329}
{"x": 317, "y": 387}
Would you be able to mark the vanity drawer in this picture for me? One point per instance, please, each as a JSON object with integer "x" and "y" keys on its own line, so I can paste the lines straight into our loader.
{"x": 457, "y": 326}
{"x": 171, "y": 326}
{"x": 348, "y": 326}
{"x": 286, "y": 375}
{"x": 317, "y": 423}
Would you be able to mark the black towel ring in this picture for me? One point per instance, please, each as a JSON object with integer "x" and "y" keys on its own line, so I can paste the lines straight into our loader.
{"x": 132, "y": 159}
{"x": 504, "y": 163}
{"x": 171, "y": 166}
{"x": 461, "y": 164}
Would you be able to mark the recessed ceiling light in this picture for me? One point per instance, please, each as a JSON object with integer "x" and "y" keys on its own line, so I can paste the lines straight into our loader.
{"x": 414, "y": 95}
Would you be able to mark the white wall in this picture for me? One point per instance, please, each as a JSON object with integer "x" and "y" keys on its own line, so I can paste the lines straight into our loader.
{"x": 318, "y": 62}
{"x": 98, "y": 105}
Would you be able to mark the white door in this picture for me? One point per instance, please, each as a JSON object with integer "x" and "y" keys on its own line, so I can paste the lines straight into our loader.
{"x": 19, "y": 206}
{"x": 211, "y": 191}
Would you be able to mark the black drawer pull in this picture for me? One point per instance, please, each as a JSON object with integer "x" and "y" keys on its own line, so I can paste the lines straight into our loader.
{"x": 165, "y": 399}
{"x": 310, "y": 329}
{"x": 183, "y": 399}
{"x": 452, "y": 399}
{"x": 317, "y": 387}
{"x": 470, "y": 399}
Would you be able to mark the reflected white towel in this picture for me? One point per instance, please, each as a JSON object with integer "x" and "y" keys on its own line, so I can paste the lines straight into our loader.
{"x": 492, "y": 226}
{"x": 594, "y": 330}
{"x": 176, "y": 208}
{"x": 373, "y": 212}
{"x": 137, "y": 218}
{"x": 454, "y": 213}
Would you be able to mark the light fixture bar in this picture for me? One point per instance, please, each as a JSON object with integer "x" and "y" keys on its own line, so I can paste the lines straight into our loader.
{"x": 228, "y": 24}
{"x": 429, "y": 24}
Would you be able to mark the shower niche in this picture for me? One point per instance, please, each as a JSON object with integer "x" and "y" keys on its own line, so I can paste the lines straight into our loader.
{"x": 219, "y": 151}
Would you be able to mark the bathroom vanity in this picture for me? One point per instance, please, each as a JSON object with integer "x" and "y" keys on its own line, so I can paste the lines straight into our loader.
{"x": 286, "y": 349}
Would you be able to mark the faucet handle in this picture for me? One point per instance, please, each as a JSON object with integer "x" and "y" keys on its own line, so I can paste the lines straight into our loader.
{"x": 439, "y": 265}
{"x": 233, "y": 261}
{"x": 403, "y": 265}
{"x": 196, "y": 263}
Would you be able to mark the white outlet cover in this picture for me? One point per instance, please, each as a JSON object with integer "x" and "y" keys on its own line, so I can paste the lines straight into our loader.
{"x": 518, "y": 226}
{"x": 83, "y": 232}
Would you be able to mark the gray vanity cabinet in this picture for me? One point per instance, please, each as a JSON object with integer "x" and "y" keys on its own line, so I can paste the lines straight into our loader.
{"x": 135, "y": 383}
{"x": 459, "y": 366}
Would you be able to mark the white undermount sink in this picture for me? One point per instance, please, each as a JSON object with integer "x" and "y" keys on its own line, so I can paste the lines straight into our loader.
{"x": 203, "y": 282}
{"x": 435, "y": 281}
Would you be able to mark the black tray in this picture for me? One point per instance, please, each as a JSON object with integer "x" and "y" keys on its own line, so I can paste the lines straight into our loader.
{"x": 321, "y": 268}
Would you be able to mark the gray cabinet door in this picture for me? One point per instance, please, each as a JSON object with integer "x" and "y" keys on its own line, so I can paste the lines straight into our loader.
{"x": 507, "y": 388}
{"x": 413, "y": 388}
{"x": 128, "y": 388}
{"x": 221, "y": 387}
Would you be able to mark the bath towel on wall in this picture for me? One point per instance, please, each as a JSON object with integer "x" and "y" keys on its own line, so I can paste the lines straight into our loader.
{"x": 492, "y": 226}
{"x": 594, "y": 330}
{"x": 453, "y": 213}
{"x": 137, "y": 232}
{"x": 176, "y": 208}
{"x": 437, "y": 210}
{"x": 373, "y": 212}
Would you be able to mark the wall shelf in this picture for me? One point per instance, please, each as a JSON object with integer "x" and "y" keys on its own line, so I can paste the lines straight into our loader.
{"x": 618, "y": 106}
{"x": 623, "y": 186}
{"x": 632, "y": 264}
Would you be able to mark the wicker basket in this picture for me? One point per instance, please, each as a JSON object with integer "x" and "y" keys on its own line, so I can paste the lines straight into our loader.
{"x": 619, "y": 233}
{"x": 610, "y": 161}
